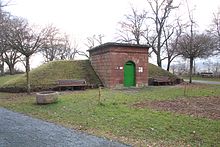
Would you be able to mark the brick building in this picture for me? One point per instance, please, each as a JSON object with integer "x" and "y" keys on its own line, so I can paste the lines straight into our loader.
{"x": 119, "y": 65}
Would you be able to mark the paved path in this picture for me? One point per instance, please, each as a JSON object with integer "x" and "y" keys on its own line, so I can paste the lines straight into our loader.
{"x": 204, "y": 82}
{"x": 18, "y": 130}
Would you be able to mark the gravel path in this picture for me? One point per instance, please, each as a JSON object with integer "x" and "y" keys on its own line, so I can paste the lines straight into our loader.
{"x": 18, "y": 130}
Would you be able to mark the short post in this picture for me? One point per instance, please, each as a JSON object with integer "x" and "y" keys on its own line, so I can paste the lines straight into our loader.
{"x": 99, "y": 94}
{"x": 185, "y": 85}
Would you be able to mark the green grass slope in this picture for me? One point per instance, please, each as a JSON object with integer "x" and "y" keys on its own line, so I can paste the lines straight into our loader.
{"x": 6, "y": 78}
{"x": 155, "y": 71}
{"x": 46, "y": 75}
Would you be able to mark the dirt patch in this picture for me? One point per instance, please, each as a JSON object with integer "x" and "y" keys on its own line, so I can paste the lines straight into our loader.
{"x": 208, "y": 107}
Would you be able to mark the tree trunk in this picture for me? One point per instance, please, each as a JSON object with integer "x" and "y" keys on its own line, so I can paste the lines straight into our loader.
{"x": 11, "y": 69}
{"x": 190, "y": 70}
{"x": 138, "y": 41}
{"x": 168, "y": 64}
{"x": 194, "y": 67}
{"x": 27, "y": 74}
{"x": 159, "y": 61}
{"x": 2, "y": 69}
{"x": 2, "y": 66}
{"x": 159, "y": 47}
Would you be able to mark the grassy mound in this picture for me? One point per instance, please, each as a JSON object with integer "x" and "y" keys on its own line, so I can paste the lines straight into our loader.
{"x": 155, "y": 71}
{"x": 45, "y": 76}
{"x": 6, "y": 78}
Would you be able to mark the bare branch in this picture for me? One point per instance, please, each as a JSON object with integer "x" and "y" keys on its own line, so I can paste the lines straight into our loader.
{"x": 94, "y": 40}
{"x": 160, "y": 14}
{"x": 81, "y": 53}
{"x": 131, "y": 29}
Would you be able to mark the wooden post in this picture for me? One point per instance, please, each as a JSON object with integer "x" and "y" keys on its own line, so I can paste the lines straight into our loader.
{"x": 185, "y": 85}
{"x": 99, "y": 94}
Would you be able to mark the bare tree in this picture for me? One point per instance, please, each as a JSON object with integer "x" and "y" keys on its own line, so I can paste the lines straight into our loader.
{"x": 168, "y": 31}
{"x": 8, "y": 55}
{"x": 161, "y": 10}
{"x": 200, "y": 46}
{"x": 2, "y": 50}
{"x": 12, "y": 57}
{"x": 26, "y": 40}
{"x": 66, "y": 52}
{"x": 51, "y": 44}
{"x": 56, "y": 46}
{"x": 74, "y": 49}
{"x": 131, "y": 29}
{"x": 3, "y": 20}
{"x": 172, "y": 43}
{"x": 192, "y": 45}
{"x": 215, "y": 29}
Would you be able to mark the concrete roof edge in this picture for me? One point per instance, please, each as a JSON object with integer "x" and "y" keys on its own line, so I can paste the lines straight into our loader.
{"x": 113, "y": 44}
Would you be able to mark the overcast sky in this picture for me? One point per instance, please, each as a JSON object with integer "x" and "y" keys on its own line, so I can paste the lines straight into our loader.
{"x": 83, "y": 18}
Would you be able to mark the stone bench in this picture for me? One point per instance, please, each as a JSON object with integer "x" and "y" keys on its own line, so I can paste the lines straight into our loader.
{"x": 163, "y": 81}
{"x": 72, "y": 83}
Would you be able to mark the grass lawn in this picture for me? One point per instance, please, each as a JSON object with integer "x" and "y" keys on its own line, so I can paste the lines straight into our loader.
{"x": 116, "y": 117}
{"x": 203, "y": 78}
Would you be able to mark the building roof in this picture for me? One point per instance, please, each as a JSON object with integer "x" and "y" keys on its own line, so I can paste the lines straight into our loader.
{"x": 114, "y": 44}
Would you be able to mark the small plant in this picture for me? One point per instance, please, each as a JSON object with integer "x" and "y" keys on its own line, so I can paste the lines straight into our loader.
{"x": 185, "y": 88}
{"x": 100, "y": 97}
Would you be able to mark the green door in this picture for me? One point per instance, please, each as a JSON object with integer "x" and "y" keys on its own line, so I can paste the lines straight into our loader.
{"x": 129, "y": 74}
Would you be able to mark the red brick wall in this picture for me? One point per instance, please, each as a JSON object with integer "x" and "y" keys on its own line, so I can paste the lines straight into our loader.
{"x": 109, "y": 64}
{"x": 102, "y": 66}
